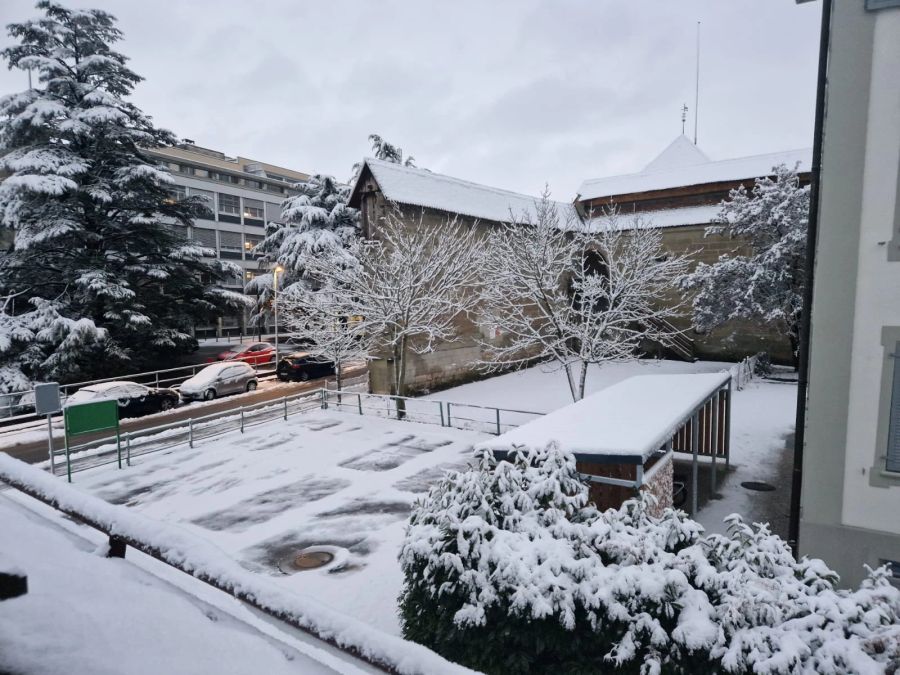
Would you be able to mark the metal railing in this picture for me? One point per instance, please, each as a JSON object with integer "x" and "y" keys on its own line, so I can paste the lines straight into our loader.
{"x": 19, "y": 406}
{"x": 120, "y": 450}
{"x": 467, "y": 416}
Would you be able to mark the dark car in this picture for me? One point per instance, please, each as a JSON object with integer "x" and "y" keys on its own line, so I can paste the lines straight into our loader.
{"x": 134, "y": 399}
{"x": 302, "y": 366}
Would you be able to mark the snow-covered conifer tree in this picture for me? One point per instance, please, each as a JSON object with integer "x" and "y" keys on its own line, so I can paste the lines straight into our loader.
{"x": 763, "y": 278}
{"x": 576, "y": 293}
{"x": 316, "y": 222}
{"x": 103, "y": 281}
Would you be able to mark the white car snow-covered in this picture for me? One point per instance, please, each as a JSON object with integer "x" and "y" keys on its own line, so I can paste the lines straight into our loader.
{"x": 228, "y": 377}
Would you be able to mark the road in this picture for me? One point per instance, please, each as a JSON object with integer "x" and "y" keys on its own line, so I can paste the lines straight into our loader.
{"x": 28, "y": 448}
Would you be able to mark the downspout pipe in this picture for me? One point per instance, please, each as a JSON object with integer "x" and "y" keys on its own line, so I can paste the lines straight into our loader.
{"x": 806, "y": 315}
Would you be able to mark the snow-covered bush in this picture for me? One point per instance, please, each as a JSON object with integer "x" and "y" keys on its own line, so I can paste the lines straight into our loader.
{"x": 508, "y": 569}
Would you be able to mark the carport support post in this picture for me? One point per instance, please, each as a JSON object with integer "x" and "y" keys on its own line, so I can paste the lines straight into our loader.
{"x": 715, "y": 440}
{"x": 695, "y": 449}
{"x": 727, "y": 439}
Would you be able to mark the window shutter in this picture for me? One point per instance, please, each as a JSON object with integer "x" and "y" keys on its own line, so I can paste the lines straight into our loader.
{"x": 893, "y": 449}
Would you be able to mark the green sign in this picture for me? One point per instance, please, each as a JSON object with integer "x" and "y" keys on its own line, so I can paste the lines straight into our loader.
{"x": 88, "y": 417}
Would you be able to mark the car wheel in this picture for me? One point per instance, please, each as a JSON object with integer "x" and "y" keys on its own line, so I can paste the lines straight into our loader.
{"x": 209, "y": 394}
{"x": 304, "y": 376}
{"x": 167, "y": 404}
{"x": 251, "y": 386}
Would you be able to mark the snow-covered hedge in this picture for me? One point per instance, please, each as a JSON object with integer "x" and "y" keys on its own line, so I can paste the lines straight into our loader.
{"x": 509, "y": 570}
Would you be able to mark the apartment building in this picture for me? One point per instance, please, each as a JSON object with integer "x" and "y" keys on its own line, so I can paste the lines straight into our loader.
{"x": 850, "y": 499}
{"x": 243, "y": 195}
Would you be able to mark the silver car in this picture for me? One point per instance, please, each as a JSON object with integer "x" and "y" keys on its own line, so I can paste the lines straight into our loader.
{"x": 219, "y": 379}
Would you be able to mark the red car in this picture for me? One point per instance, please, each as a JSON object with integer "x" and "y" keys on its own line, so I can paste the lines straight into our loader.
{"x": 256, "y": 354}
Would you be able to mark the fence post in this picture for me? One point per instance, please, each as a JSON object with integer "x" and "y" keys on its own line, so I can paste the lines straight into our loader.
{"x": 285, "y": 407}
{"x": 715, "y": 440}
{"x": 727, "y": 438}
{"x": 441, "y": 407}
{"x": 324, "y": 399}
{"x": 359, "y": 403}
{"x": 449, "y": 423}
{"x": 498, "y": 420}
{"x": 68, "y": 460}
{"x": 128, "y": 448}
{"x": 241, "y": 409}
{"x": 190, "y": 432}
{"x": 118, "y": 448}
{"x": 695, "y": 448}
{"x": 157, "y": 379}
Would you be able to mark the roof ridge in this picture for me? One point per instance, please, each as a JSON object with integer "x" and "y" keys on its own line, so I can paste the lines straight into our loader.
{"x": 714, "y": 162}
{"x": 454, "y": 179}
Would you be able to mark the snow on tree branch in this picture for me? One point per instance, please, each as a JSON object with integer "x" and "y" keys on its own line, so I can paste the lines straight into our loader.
{"x": 576, "y": 293}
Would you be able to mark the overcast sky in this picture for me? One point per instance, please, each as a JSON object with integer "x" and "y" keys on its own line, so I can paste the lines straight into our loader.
{"x": 510, "y": 93}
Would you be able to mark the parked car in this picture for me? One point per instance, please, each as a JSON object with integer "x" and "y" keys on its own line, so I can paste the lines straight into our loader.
{"x": 256, "y": 353}
{"x": 302, "y": 366}
{"x": 219, "y": 379}
{"x": 134, "y": 399}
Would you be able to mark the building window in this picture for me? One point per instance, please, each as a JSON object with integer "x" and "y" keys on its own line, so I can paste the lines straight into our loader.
{"x": 229, "y": 208}
{"x": 205, "y": 237}
{"x": 176, "y": 193}
{"x": 253, "y": 209}
{"x": 893, "y": 442}
{"x": 251, "y": 241}
{"x": 230, "y": 245}
{"x": 273, "y": 212}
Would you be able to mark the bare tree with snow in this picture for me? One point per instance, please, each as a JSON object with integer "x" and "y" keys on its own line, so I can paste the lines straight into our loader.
{"x": 324, "y": 321}
{"x": 410, "y": 286}
{"x": 576, "y": 293}
{"x": 765, "y": 281}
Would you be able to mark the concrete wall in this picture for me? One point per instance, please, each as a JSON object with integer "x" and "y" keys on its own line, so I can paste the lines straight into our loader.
{"x": 850, "y": 504}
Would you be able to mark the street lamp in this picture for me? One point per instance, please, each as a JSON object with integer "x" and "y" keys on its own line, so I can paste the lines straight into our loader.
{"x": 278, "y": 270}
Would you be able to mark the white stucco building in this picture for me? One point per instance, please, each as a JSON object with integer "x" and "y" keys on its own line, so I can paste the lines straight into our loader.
{"x": 850, "y": 512}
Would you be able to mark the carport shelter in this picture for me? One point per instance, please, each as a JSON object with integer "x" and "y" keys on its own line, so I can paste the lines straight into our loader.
{"x": 624, "y": 437}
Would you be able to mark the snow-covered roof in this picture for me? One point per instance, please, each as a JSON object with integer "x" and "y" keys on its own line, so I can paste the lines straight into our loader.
{"x": 689, "y": 215}
{"x": 626, "y": 422}
{"x": 679, "y": 165}
{"x": 419, "y": 187}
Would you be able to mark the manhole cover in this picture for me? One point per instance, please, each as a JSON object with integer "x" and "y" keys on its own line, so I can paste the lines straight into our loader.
{"x": 309, "y": 560}
{"x": 758, "y": 486}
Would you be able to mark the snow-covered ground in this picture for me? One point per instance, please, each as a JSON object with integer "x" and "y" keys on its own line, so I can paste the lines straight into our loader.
{"x": 84, "y": 613}
{"x": 332, "y": 480}
{"x": 344, "y": 483}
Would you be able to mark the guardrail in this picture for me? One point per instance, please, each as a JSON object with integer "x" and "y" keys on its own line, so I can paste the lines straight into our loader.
{"x": 120, "y": 450}
{"x": 13, "y": 410}
{"x": 429, "y": 411}
{"x": 131, "y": 444}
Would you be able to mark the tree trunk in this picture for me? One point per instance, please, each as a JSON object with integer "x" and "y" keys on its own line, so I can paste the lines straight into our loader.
{"x": 338, "y": 380}
{"x": 400, "y": 377}
{"x": 582, "y": 380}
{"x": 570, "y": 378}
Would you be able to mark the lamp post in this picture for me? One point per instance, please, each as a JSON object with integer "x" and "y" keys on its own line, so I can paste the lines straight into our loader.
{"x": 278, "y": 270}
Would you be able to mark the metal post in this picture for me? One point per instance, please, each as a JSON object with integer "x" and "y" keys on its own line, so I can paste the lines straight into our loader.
{"x": 190, "y": 432}
{"x": 50, "y": 445}
{"x": 324, "y": 399}
{"x": 241, "y": 410}
{"x": 118, "y": 448}
{"x": 128, "y": 449}
{"x": 695, "y": 448}
{"x": 448, "y": 414}
{"x": 285, "y": 407}
{"x": 157, "y": 379}
{"x": 441, "y": 407}
{"x": 498, "y": 420}
{"x": 715, "y": 440}
{"x": 359, "y": 403}
{"x": 68, "y": 462}
{"x": 727, "y": 439}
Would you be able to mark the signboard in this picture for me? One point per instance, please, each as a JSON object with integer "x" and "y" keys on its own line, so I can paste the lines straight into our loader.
{"x": 46, "y": 398}
{"x": 88, "y": 417}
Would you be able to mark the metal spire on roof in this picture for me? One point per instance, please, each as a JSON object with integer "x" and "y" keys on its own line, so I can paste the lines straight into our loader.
{"x": 684, "y": 112}
{"x": 697, "y": 86}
